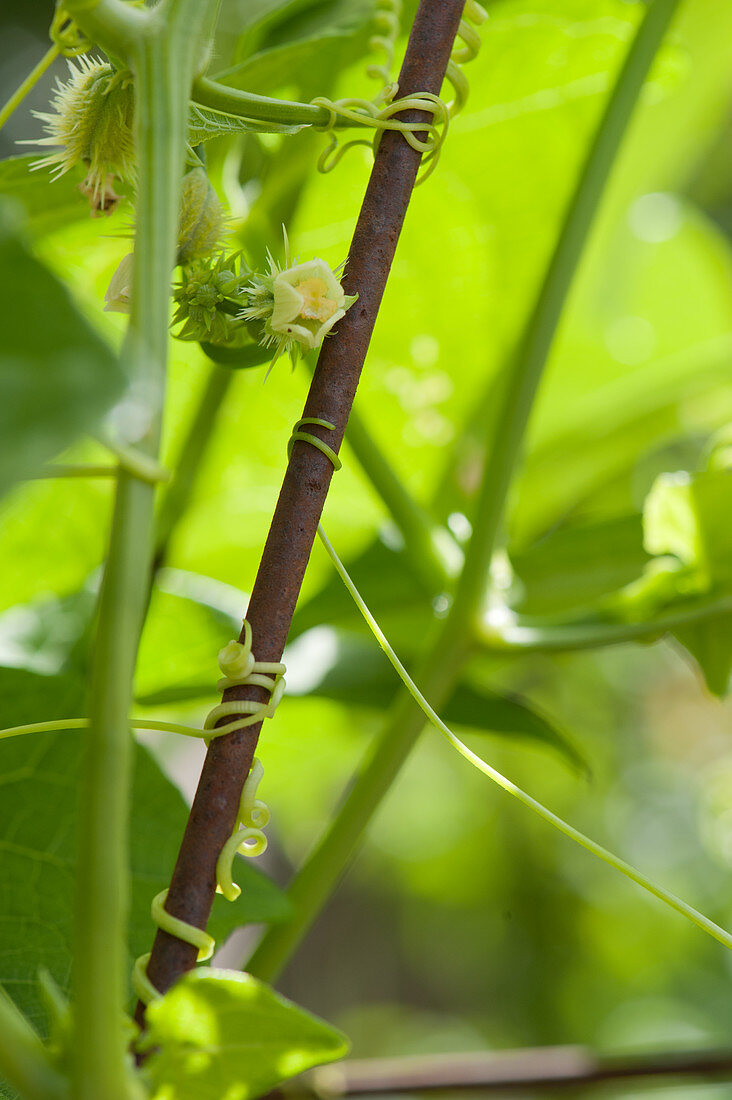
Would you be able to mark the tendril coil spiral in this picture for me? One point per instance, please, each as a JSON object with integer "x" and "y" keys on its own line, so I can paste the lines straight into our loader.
{"x": 308, "y": 437}
{"x": 387, "y": 22}
{"x": 379, "y": 113}
{"x": 65, "y": 34}
{"x": 239, "y": 668}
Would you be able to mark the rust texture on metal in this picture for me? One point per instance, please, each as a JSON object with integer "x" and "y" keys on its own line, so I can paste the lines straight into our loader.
{"x": 528, "y": 1072}
{"x": 305, "y": 486}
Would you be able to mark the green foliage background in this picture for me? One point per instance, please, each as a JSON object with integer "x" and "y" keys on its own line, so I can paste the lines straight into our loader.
{"x": 464, "y": 924}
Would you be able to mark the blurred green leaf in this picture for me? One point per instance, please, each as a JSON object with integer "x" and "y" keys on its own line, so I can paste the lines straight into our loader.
{"x": 57, "y": 377}
{"x": 710, "y": 645}
{"x": 688, "y": 515}
{"x": 200, "y": 630}
{"x": 220, "y": 1033}
{"x": 360, "y": 674}
{"x": 48, "y": 203}
{"x": 41, "y": 778}
{"x": 294, "y": 42}
{"x": 576, "y": 565}
{"x": 391, "y": 588}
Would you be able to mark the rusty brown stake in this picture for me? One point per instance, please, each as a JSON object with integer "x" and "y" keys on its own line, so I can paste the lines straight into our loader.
{"x": 304, "y": 489}
{"x": 527, "y": 1072}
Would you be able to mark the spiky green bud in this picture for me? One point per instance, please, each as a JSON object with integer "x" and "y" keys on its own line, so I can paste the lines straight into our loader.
{"x": 209, "y": 299}
{"x": 91, "y": 122}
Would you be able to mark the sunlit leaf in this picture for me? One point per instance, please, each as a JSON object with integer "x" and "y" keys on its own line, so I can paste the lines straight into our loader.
{"x": 47, "y": 203}
{"x": 220, "y": 1033}
{"x": 688, "y": 516}
{"x": 291, "y": 43}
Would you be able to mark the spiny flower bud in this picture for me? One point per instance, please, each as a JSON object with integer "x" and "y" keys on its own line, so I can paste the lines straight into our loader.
{"x": 209, "y": 299}
{"x": 92, "y": 123}
{"x": 201, "y": 218}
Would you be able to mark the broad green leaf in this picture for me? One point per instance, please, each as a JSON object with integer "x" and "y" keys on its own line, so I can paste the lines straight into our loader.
{"x": 219, "y": 1034}
{"x": 391, "y": 588}
{"x": 688, "y": 516}
{"x": 359, "y": 674}
{"x": 199, "y": 628}
{"x": 577, "y": 565}
{"x": 48, "y": 203}
{"x": 57, "y": 377}
{"x": 295, "y": 49}
{"x": 710, "y": 645}
{"x": 40, "y": 783}
{"x": 242, "y": 24}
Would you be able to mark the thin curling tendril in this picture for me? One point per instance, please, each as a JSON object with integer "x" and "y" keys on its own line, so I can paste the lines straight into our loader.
{"x": 387, "y": 21}
{"x": 240, "y": 669}
{"x": 66, "y": 36}
{"x": 379, "y": 114}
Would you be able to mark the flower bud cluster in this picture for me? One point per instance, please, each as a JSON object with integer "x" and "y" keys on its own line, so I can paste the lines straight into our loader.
{"x": 209, "y": 299}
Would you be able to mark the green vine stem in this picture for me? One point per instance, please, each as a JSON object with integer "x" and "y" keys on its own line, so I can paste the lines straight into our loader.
{"x": 118, "y": 27}
{"x": 161, "y": 46}
{"x": 28, "y": 84}
{"x": 192, "y": 449}
{"x": 24, "y": 1063}
{"x": 219, "y": 97}
{"x": 438, "y": 672}
{"x": 520, "y": 635}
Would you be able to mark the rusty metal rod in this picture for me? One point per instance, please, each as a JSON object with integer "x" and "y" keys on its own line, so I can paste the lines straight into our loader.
{"x": 516, "y": 1071}
{"x": 304, "y": 488}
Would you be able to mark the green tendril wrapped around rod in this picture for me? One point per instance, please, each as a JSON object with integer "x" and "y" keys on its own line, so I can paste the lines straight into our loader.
{"x": 239, "y": 668}
{"x": 379, "y": 113}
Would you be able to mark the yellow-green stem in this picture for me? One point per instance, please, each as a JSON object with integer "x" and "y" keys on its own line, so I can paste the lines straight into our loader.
{"x": 28, "y": 84}
{"x": 162, "y": 59}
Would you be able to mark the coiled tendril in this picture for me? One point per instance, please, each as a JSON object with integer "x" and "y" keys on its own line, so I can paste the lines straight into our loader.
{"x": 239, "y": 669}
{"x": 379, "y": 113}
{"x": 387, "y": 22}
{"x": 66, "y": 36}
{"x": 308, "y": 437}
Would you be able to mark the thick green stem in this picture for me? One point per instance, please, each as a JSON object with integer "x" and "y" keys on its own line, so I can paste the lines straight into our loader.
{"x": 114, "y": 25}
{"x": 24, "y": 1064}
{"x": 193, "y": 447}
{"x": 432, "y": 549}
{"x": 163, "y": 65}
{"x": 209, "y": 93}
{"x": 438, "y": 672}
